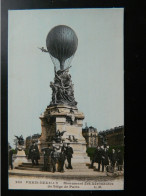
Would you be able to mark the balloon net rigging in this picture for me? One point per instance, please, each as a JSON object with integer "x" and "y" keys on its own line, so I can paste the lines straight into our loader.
{"x": 56, "y": 62}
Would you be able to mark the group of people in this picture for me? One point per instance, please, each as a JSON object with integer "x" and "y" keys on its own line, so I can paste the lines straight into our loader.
{"x": 104, "y": 158}
{"x": 52, "y": 157}
{"x": 58, "y": 158}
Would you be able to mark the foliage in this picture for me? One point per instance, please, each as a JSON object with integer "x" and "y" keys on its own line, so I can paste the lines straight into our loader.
{"x": 26, "y": 151}
{"x": 14, "y": 151}
{"x": 90, "y": 151}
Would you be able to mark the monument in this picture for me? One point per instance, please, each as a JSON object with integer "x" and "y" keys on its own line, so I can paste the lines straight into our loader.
{"x": 20, "y": 156}
{"x": 62, "y": 115}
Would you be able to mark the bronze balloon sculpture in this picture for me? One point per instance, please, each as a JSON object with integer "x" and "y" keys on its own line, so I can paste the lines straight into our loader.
{"x": 62, "y": 44}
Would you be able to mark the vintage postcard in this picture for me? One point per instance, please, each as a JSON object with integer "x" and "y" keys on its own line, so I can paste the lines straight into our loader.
{"x": 66, "y": 99}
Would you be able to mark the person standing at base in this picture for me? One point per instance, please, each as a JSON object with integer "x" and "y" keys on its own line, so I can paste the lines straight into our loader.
{"x": 10, "y": 157}
{"x": 102, "y": 154}
{"x": 105, "y": 158}
{"x": 108, "y": 153}
{"x": 96, "y": 157}
{"x": 69, "y": 152}
{"x": 61, "y": 160}
{"x": 113, "y": 158}
{"x": 34, "y": 154}
{"x": 47, "y": 152}
{"x": 53, "y": 159}
{"x": 119, "y": 160}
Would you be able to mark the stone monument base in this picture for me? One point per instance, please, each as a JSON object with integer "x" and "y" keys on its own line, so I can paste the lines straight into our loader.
{"x": 70, "y": 120}
{"x": 20, "y": 158}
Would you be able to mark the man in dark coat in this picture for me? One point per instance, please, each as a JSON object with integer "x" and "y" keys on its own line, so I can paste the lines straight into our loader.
{"x": 53, "y": 159}
{"x": 96, "y": 157}
{"x": 11, "y": 157}
{"x": 113, "y": 158}
{"x": 47, "y": 152}
{"x": 119, "y": 160}
{"x": 69, "y": 152}
{"x": 34, "y": 154}
{"x": 61, "y": 160}
{"x": 105, "y": 158}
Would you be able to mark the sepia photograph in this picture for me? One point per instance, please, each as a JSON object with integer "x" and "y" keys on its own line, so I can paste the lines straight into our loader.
{"x": 66, "y": 99}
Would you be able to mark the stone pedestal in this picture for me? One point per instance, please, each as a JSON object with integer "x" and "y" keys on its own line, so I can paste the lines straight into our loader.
{"x": 69, "y": 119}
{"x": 20, "y": 158}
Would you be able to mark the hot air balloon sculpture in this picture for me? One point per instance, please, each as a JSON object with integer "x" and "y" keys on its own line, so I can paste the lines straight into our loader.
{"x": 62, "y": 44}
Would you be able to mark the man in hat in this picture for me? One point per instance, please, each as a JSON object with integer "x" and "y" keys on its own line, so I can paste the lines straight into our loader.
{"x": 96, "y": 157}
{"x": 100, "y": 157}
{"x": 34, "y": 154}
{"x": 119, "y": 160}
{"x": 47, "y": 152}
{"x": 69, "y": 152}
{"x": 62, "y": 158}
{"x": 53, "y": 158}
{"x": 105, "y": 158}
{"x": 113, "y": 158}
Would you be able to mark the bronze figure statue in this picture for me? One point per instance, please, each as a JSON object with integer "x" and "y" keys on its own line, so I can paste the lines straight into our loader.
{"x": 20, "y": 140}
{"x": 61, "y": 43}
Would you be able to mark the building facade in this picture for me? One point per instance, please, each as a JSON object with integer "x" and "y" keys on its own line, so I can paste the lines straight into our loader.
{"x": 91, "y": 136}
{"x": 112, "y": 137}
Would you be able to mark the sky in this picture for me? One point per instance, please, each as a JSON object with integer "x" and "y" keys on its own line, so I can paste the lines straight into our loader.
{"x": 97, "y": 68}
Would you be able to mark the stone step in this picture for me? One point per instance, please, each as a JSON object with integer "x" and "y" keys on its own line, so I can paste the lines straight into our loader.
{"x": 41, "y": 166}
{"x": 65, "y": 170}
{"x": 77, "y": 167}
{"x": 29, "y": 168}
{"x": 30, "y": 164}
{"x": 75, "y": 164}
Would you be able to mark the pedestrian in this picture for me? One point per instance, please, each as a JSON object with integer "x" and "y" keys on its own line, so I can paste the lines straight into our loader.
{"x": 69, "y": 152}
{"x": 119, "y": 160}
{"x": 53, "y": 158}
{"x": 47, "y": 152}
{"x": 107, "y": 148}
{"x": 95, "y": 156}
{"x": 34, "y": 154}
{"x": 105, "y": 158}
{"x": 10, "y": 157}
{"x": 113, "y": 158}
{"x": 61, "y": 160}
